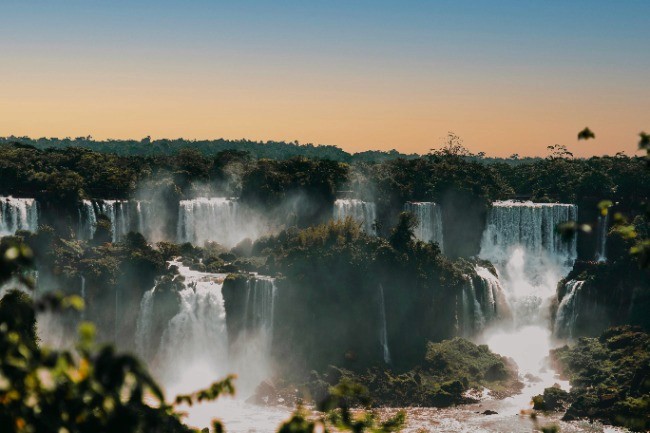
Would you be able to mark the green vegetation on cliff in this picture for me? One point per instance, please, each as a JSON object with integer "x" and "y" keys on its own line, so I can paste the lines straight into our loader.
{"x": 610, "y": 377}
{"x": 447, "y": 375}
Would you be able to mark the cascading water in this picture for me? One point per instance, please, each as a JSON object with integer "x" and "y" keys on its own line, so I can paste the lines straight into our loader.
{"x": 197, "y": 335}
{"x": 144, "y": 338}
{"x": 260, "y": 305}
{"x": 429, "y": 228}
{"x": 531, "y": 226}
{"x": 194, "y": 351}
{"x": 482, "y": 301}
{"x": 491, "y": 294}
{"x": 567, "y": 312}
{"x": 18, "y": 214}
{"x": 218, "y": 219}
{"x": 194, "y": 345}
{"x": 360, "y": 211}
{"x": 471, "y": 314}
{"x": 521, "y": 240}
{"x": 383, "y": 329}
{"x": 117, "y": 211}
{"x": 251, "y": 350}
{"x": 601, "y": 238}
{"x": 87, "y": 220}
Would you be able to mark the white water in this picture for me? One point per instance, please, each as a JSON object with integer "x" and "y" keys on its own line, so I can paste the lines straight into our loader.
{"x": 521, "y": 241}
{"x": 361, "y": 211}
{"x": 194, "y": 347}
{"x": 194, "y": 350}
{"x": 567, "y": 312}
{"x": 148, "y": 220}
{"x": 495, "y": 303}
{"x": 144, "y": 345}
{"x": 601, "y": 238}
{"x": 471, "y": 313}
{"x": 18, "y": 214}
{"x": 383, "y": 329}
{"x": 250, "y": 355}
{"x": 217, "y": 219}
{"x": 117, "y": 211}
{"x": 429, "y": 215}
{"x": 482, "y": 302}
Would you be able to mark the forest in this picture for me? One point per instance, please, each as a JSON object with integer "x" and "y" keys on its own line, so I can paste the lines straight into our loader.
{"x": 120, "y": 241}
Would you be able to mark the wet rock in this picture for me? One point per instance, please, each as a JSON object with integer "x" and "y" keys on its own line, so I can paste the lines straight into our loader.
{"x": 532, "y": 378}
{"x": 264, "y": 393}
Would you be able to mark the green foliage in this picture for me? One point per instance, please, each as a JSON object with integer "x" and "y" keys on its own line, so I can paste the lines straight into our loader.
{"x": 610, "y": 377}
{"x": 553, "y": 399}
{"x": 449, "y": 369}
{"x": 459, "y": 358}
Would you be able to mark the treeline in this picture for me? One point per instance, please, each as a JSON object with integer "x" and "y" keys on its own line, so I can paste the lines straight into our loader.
{"x": 257, "y": 149}
{"x": 463, "y": 184}
{"x": 76, "y": 171}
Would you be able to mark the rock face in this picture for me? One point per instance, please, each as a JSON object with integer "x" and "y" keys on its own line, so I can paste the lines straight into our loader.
{"x": 595, "y": 296}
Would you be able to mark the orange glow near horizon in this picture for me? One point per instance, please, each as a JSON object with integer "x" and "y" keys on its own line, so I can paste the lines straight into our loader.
{"x": 498, "y": 127}
{"x": 390, "y": 77}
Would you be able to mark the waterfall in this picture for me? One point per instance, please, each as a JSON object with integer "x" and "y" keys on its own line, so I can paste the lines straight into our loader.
{"x": 528, "y": 225}
{"x": 250, "y": 353}
{"x": 83, "y": 296}
{"x": 429, "y": 228}
{"x": 494, "y": 304}
{"x": 482, "y": 301}
{"x": 601, "y": 237}
{"x": 219, "y": 219}
{"x": 194, "y": 346}
{"x": 567, "y": 312}
{"x": 144, "y": 345}
{"x": 520, "y": 239}
{"x": 87, "y": 220}
{"x": 117, "y": 211}
{"x": 383, "y": 330}
{"x": 260, "y": 306}
{"x": 18, "y": 214}
{"x": 360, "y": 211}
{"x": 470, "y": 316}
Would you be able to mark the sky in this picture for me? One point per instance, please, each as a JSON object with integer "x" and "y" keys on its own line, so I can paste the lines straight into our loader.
{"x": 507, "y": 76}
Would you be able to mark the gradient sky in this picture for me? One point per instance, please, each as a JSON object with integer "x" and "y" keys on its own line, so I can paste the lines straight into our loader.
{"x": 507, "y": 76}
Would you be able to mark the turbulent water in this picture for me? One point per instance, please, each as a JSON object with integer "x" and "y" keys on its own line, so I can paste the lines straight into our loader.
{"x": 18, "y": 214}
{"x": 520, "y": 239}
{"x": 509, "y": 311}
{"x": 194, "y": 349}
{"x": 194, "y": 346}
{"x": 429, "y": 228}
{"x": 567, "y": 312}
{"x": 482, "y": 302}
{"x": 361, "y": 211}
